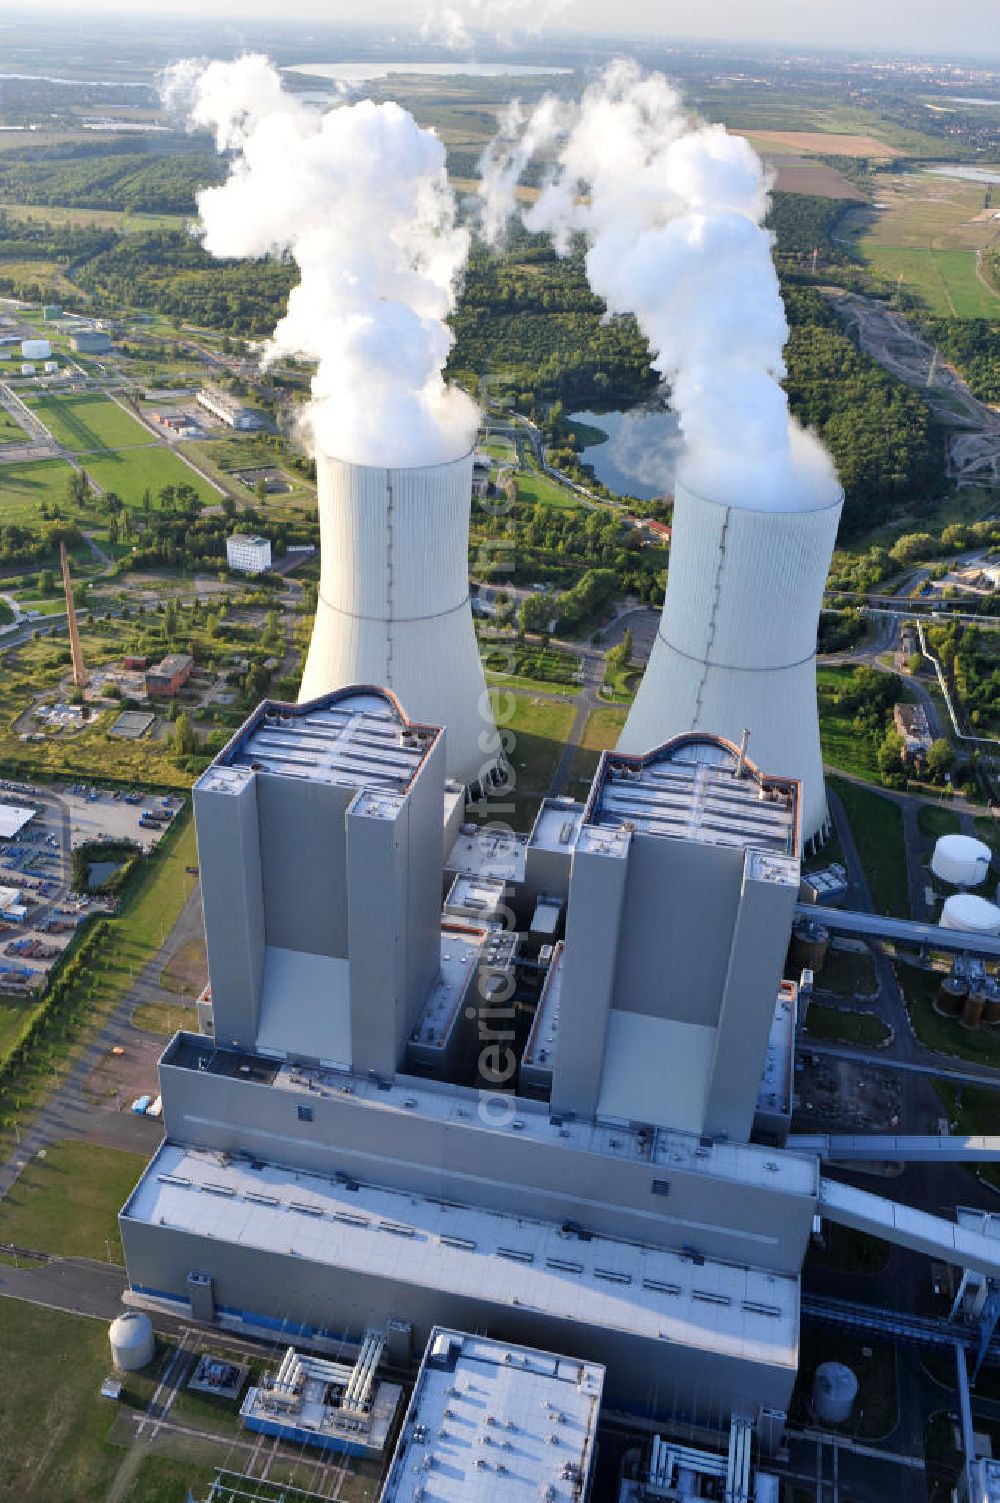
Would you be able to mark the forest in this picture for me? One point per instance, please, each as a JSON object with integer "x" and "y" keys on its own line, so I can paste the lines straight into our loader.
{"x": 87, "y": 175}
{"x": 972, "y": 345}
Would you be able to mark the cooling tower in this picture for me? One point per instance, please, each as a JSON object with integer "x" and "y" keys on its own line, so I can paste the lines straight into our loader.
{"x": 393, "y": 606}
{"x": 736, "y": 645}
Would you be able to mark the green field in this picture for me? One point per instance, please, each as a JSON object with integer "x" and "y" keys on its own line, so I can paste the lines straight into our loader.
{"x": 877, "y": 825}
{"x": 89, "y": 421}
{"x": 933, "y": 820}
{"x": 10, "y": 432}
{"x": 68, "y": 1201}
{"x": 539, "y": 729}
{"x": 945, "y": 280}
{"x": 25, "y": 487}
{"x": 847, "y": 1027}
{"x": 130, "y": 472}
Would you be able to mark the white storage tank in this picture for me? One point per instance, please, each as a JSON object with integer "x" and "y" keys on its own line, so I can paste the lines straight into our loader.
{"x": 967, "y": 911}
{"x": 36, "y": 349}
{"x": 27, "y": 369}
{"x": 133, "y": 1342}
{"x": 960, "y": 860}
{"x": 834, "y": 1390}
{"x": 51, "y": 366}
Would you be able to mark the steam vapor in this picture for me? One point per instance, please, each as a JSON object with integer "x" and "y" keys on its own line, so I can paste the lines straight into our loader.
{"x": 672, "y": 212}
{"x": 449, "y": 24}
{"x": 359, "y": 197}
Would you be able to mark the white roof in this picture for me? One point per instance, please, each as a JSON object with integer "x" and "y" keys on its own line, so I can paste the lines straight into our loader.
{"x": 648, "y": 1293}
{"x": 556, "y": 825}
{"x": 488, "y": 853}
{"x": 13, "y": 818}
{"x": 489, "y": 1420}
{"x": 9, "y": 897}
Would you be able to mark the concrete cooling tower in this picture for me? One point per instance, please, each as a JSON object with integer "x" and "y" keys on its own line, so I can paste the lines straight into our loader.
{"x": 393, "y": 607}
{"x": 736, "y": 645}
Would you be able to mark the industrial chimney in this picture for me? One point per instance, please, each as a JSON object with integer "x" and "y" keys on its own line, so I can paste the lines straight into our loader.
{"x": 393, "y": 607}
{"x": 736, "y": 645}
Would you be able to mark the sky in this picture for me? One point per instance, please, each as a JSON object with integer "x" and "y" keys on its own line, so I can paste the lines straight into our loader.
{"x": 955, "y": 28}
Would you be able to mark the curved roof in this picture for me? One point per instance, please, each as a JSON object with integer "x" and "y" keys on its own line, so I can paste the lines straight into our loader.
{"x": 696, "y": 787}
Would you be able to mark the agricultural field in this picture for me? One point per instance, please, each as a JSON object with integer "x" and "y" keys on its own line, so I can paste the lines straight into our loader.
{"x": 88, "y": 422}
{"x": 823, "y": 143}
{"x": 803, "y": 175}
{"x": 927, "y": 229}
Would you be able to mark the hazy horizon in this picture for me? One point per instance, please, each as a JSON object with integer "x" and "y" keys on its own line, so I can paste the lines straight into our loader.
{"x": 965, "y": 29}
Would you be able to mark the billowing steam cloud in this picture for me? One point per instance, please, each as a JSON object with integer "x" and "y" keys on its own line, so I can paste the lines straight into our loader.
{"x": 450, "y": 24}
{"x": 359, "y": 197}
{"x": 672, "y": 212}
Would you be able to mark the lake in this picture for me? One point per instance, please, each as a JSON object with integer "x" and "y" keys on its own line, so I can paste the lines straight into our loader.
{"x": 362, "y": 73}
{"x": 968, "y": 174}
{"x": 640, "y": 452}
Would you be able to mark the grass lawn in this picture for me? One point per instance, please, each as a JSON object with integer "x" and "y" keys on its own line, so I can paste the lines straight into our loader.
{"x": 14, "y": 1014}
{"x": 601, "y": 733}
{"x": 844, "y": 747}
{"x": 540, "y": 728}
{"x": 533, "y": 486}
{"x": 944, "y": 279}
{"x": 988, "y": 830}
{"x": 934, "y": 821}
{"x": 68, "y": 1202}
{"x": 10, "y": 432}
{"x": 165, "y": 1018}
{"x": 24, "y": 487}
{"x": 944, "y": 1035}
{"x": 836, "y": 1025}
{"x": 877, "y": 825}
{"x": 847, "y": 972}
{"x": 132, "y": 471}
{"x": 88, "y": 421}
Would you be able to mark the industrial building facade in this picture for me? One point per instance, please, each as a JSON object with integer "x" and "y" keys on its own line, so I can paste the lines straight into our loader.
{"x": 365, "y": 1139}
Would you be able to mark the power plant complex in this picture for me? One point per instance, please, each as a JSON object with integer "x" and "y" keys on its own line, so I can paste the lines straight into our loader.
{"x": 520, "y": 1105}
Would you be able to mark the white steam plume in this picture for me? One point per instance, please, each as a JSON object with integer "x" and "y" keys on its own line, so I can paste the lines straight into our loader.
{"x": 449, "y": 24}
{"x": 359, "y": 197}
{"x": 672, "y": 212}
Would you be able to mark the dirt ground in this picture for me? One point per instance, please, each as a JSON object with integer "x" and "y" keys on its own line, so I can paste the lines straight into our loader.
{"x": 799, "y": 175}
{"x": 844, "y": 1096}
{"x": 119, "y": 1079}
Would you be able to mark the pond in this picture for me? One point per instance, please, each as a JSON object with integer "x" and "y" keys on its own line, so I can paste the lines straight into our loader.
{"x": 100, "y": 872}
{"x": 638, "y": 457}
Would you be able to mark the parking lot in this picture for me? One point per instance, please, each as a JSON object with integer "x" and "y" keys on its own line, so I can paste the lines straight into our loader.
{"x": 36, "y": 866}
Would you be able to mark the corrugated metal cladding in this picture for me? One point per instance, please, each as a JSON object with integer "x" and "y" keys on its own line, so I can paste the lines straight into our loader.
{"x": 393, "y": 603}
{"x": 737, "y": 638}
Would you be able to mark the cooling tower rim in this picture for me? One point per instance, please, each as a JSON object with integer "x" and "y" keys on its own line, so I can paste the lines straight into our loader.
{"x": 395, "y": 469}
{"x": 760, "y": 511}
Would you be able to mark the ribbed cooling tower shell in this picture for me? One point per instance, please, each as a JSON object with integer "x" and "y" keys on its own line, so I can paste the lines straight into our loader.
{"x": 393, "y": 605}
{"x": 736, "y": 645}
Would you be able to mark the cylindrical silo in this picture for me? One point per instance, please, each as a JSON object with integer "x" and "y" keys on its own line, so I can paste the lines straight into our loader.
{"x": 133, "y": 1342}
{"x": 736, "y": 646}
{"x": 393, "y": 606}
{"x": 951, "y": 995}
{"x": 973, "y": 1008}
{"x": 834, "y": 1390}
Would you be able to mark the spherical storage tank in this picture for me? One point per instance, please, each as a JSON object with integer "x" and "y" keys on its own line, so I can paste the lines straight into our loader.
{"x": 393, "y": 608}
{"x": 834, "y": 1390}
{"x": 960, "y": 860}
{"x": 736, "y": 644}
{"x": 35, "y": 349}
{"x": 133, "y": 1343}
{"x": 964, "y": 910}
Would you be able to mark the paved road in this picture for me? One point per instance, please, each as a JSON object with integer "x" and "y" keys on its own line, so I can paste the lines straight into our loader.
{"x": 70, "y": 1111}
